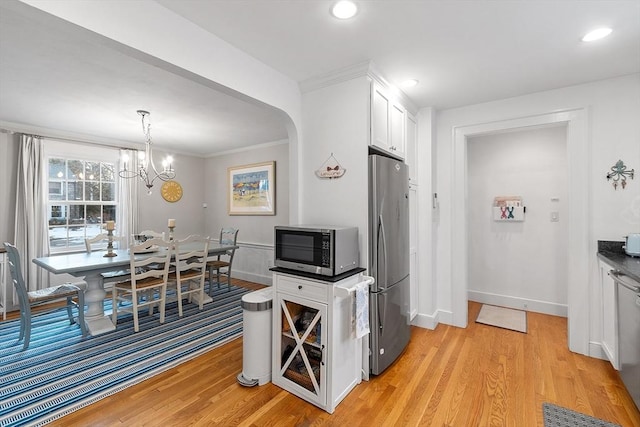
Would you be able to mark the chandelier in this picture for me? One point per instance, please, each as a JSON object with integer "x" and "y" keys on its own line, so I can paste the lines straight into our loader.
{"x": 147, "y": 171}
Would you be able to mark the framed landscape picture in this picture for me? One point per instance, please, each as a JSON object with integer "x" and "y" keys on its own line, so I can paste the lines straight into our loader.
{"x": 251, "y": 189}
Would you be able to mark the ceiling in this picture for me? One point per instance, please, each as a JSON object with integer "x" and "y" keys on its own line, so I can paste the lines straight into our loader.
{"x": 462, "y": 52}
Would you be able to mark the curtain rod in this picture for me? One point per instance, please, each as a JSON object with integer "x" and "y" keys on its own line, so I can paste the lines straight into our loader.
{"x": 59, "y": 138}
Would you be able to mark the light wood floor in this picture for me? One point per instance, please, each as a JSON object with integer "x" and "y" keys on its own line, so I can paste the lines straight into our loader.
{"x": 478, "y": 376}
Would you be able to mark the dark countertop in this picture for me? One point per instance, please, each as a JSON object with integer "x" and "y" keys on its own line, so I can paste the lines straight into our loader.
{"x": 329, "y": 279}
{"x": 613, "y": 254}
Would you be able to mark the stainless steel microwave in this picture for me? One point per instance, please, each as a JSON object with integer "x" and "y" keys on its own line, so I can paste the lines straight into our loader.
{"x": 324, "y": 250}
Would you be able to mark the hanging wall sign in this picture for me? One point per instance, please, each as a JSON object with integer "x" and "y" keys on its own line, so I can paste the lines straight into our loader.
{"x": 330, "y": 169}
{"x": 508, "y": 208}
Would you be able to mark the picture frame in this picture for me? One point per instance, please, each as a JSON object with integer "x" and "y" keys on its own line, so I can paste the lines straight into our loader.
{"x": 251, "y": 189}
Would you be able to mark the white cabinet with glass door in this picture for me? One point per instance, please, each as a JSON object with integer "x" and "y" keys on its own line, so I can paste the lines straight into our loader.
{"x": 315, "y": 354}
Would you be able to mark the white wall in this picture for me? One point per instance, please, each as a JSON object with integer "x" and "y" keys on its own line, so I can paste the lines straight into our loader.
{"x": 337, "y": 121}
{"x": 519, "y": 264}
{"x": 255, "y": 238}
{"x": 613, "y": 132}
{"x": 154, "y": 211}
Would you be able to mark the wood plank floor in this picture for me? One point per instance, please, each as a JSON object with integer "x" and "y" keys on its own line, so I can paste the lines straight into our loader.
{"x": 478, "y": 376}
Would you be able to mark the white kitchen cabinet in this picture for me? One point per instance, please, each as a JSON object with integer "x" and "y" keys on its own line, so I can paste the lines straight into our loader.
{"x": 413, "y": 251}
{"x": 397, "y": 129}
{"x": 315, "y": 354}
{"x": 411, "y": 158}
{"x": 609, "y": 294}
{"x": 388, "y": 122}
{"x": 380, "y": 112}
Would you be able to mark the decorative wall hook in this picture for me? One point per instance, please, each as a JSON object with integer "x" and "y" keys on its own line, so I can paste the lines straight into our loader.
{"x": 330, "y": 169}
{"x": 619, "y": 174}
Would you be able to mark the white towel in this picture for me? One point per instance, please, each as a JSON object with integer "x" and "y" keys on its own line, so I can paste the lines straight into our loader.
{"x": 362, "y": 309}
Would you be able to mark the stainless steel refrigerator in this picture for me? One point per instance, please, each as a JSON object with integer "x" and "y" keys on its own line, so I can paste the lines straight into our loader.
{"x": 388, "y": 260}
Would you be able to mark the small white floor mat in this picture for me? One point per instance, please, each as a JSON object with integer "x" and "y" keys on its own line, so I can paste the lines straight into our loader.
{"x": 501, "y": 317}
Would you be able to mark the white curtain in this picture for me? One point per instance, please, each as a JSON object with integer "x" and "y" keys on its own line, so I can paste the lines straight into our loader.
{"x": 31, "y": 227}
{"x": 127, "y": 213}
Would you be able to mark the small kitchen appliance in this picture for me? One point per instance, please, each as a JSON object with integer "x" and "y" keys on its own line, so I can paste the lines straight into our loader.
{"x": 632, "y": 244}
{"x": 318, "y": 249}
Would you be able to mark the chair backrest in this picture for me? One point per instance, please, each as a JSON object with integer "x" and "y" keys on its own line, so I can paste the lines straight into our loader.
{"x": 102, "y": 238}
{"x": 191, "y": 254}
{"x": 16, "y": 276}
{"x": 145, "y": 235}
{"x": 229, "y": 236}
{"x": 146, "y": 257}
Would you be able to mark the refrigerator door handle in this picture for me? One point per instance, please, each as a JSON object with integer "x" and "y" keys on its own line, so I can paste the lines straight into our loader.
{"x": 382, "y": 311}
{"x": 382, "y": 234}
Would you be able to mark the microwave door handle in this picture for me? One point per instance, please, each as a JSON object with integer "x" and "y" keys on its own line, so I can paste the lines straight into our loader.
{"x": 382, "y": 234}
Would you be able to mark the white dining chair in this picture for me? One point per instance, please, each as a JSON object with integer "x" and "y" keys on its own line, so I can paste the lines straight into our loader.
{"x": 147, "y": 234}
{"x": 190, "y": 269}
{"x": 100, "y": 242}
{"x": 148, "y": 282}
{"x": 43, "y": 297}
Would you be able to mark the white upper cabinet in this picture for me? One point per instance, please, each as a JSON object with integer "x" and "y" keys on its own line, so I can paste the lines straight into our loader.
{"x": 411, "y": 157}
{"x": 397, "y": 128}
{"x": 388, "y": 122}
{"x": 380, "y": 108}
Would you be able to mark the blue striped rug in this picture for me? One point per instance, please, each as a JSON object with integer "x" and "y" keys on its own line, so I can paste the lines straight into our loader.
{"x": 61, "y": 372}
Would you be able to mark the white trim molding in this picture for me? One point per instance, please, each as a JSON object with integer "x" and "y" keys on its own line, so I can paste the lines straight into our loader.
{"x": 252, "y": 262}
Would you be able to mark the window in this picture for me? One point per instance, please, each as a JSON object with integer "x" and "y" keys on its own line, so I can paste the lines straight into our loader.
{"x": 82, "y": 196}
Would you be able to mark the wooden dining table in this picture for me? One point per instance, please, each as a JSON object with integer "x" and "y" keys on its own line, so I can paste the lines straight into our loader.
{"x": 90, "y": 265}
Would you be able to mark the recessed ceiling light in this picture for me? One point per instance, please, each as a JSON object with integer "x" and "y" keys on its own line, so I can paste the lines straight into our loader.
{"x": 344, "y": 9}
{"x": 409, "y": 83}
{"x": 597, "y": 34}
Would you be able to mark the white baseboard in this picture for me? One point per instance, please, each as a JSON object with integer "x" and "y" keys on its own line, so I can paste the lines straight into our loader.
{"x": 427, "y": 321}
{"x": 518, "y": 303}
{"x": 596, "y": 350}
{"x": 252, "y": 277}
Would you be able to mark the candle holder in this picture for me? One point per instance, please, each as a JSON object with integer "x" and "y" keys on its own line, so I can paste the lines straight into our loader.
{"x": 171, "y": 233}
{"x": 110, "y": 252}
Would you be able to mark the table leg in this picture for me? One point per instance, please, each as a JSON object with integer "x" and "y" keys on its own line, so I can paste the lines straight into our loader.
{"x": 95, "y": 320}
{"x": 196, "y": 298}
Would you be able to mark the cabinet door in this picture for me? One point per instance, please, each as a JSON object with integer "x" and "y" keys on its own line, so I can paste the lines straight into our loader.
{"x": 397, "y": 131}
{"x": 609, "y": 315}
{"x": 413, "y": 251}
{"x": 411, "y": 156}
{"x": 380, "y": 106}
{"x": 299, "y": 362}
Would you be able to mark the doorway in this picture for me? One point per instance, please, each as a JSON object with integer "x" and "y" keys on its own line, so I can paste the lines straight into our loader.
{"x": 518, "y": 261}
{"x": 578, "y": 311}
